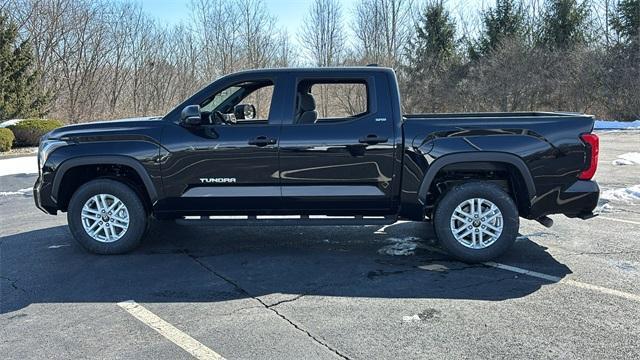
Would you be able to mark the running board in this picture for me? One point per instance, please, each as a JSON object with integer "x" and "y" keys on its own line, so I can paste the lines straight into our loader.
{"x": 286, "y": 220}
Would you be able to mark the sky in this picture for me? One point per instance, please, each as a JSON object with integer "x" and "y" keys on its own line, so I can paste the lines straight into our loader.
{"x": 290, "y": 14}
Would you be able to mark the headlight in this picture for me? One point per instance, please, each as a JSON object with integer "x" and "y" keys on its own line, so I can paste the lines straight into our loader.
{"x": 46, "y": 148}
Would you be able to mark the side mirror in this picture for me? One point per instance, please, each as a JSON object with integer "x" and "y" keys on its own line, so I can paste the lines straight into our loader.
{"x": 244, "y": 111}
{"x": 191, "y": 116}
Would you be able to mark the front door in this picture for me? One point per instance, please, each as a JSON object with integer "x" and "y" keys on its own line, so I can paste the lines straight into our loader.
{"x": 337, "y": 153}
{"x": 229, "y": 164}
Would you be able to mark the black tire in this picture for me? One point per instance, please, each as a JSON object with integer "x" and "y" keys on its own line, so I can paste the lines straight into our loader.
{"x": 138, "y": 217}
{"x": 465, "y": 191}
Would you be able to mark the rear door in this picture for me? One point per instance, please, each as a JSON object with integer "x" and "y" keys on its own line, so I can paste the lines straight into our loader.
{"x": 340, "y": 159}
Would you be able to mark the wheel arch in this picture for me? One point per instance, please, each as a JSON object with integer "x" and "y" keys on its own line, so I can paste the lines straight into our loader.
{"x": 510, "y": 160}
{"x": 121, "y": 160}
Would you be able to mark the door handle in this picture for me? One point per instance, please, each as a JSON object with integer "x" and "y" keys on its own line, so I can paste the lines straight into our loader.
{"x": 262, "y": 141}
{"x": 372, "y": 139}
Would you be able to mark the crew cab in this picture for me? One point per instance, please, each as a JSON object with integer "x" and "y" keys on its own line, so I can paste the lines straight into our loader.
{"x": 327, "y": 146}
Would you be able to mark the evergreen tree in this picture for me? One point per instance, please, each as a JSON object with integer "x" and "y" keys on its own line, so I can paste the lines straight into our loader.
{"x": 432, "y": 60}
{"x": 626, "y": 22}
{"x": 564, "y": 23}
{"x": 434, "y": 45}
{"x": 506, "y": 20}
{"x": 19, "y": 92}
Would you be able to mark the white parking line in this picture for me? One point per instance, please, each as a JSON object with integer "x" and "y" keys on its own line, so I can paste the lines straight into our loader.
{"x": 173, "y": 334}
{"x": 602, "y": 289}
{"x": 556, "y": 279}
{"x": 523, "y": 271}
{"x": 620, "y": 220}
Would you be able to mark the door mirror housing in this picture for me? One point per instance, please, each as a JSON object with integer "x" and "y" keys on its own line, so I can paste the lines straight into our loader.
{"x": 191, "y": 116}
{"x": 244, "y": 111}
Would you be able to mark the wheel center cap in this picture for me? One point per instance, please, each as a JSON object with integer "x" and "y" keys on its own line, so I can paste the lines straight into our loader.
{"x": 105, "y": 218}
{"x": 476, "y": 223}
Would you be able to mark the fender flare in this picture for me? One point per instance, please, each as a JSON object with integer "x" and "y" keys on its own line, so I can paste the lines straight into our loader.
{"x": 104, "y": 159}
{"x": 484, "y": 156}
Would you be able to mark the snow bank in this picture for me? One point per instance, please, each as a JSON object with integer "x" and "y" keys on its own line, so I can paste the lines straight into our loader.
{"x": 629, "y": 194}
{"x": 400, "y": 246}
{"x": 19, "y": 165}
{"x": 26, "y": 192}
{"x": 9, "y": 122}
{"x": 619, "y": 125}
{"x": 627, "y": 159}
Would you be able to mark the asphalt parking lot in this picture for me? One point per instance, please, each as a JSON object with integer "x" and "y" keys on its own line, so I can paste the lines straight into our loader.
{"x": 332, "y": 292}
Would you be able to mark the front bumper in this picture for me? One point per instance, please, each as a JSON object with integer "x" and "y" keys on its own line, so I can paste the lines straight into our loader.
{"x": 577, "y": 200}
{"x": 42, "y": 197}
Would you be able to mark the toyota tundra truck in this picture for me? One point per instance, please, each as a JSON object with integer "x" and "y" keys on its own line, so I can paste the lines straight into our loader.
{"x": 325, "y": 146}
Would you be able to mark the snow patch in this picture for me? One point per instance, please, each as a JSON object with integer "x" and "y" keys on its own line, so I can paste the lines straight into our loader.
{"x": 604, "y": 208}
{"x": 19, "y": 165}
{"x": 620, "y": 125}
{"x": 400, "y": 246}
{"x": 9, "y": 122}
{"x": 629, "y": 194}
{"x": 425, "y": 315}
{"x": 632, "y": 158}
{"x": 410, "y": 319}
{"x": 57, "y": 246}
{"x": 26, "y": 192}
{"x": 434, "y": 267}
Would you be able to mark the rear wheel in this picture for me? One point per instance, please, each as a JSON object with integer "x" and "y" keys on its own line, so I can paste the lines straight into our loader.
{"x": 107, "y": 217}
{"x": 476, "y": 221}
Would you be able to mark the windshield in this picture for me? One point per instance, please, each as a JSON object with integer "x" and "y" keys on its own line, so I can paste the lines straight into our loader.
{"x": 219, "y": 98}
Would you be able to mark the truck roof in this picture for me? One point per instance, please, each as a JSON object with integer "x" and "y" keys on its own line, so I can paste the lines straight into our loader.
{"x": 336, "y": 69}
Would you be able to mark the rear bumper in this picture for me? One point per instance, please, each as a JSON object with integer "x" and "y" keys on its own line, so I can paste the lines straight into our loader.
{"x": 583, "y": 196}
{"x": 577, "y": 200}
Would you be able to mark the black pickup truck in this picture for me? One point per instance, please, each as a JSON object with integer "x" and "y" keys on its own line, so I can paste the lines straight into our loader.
{"x": 323, "y": 146}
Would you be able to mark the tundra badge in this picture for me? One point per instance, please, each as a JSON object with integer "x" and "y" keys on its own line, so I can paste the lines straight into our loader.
{"x": 217, "y": 180}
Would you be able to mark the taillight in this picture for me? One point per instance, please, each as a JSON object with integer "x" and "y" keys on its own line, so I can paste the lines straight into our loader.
{"x": 593, "y": 145}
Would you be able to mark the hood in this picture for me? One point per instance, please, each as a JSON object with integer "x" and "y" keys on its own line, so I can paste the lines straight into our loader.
{"x": 128, "y": 125}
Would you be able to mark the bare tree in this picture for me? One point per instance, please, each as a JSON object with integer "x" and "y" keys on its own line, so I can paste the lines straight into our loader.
{"x": 108, "y": 59}
{"x": 382, "y": 29}
{"x": 322, "y": 36}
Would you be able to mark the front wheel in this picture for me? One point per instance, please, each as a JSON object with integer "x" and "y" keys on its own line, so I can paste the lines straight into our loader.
{"x": 107, "y": 217}
{"x": 476, "y": 221}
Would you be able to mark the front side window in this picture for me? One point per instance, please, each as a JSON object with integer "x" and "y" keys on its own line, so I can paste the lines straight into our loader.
{"x": 247, "y": 102}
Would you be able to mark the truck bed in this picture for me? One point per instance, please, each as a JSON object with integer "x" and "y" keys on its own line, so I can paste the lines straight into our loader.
{"x": 484, "y": 115}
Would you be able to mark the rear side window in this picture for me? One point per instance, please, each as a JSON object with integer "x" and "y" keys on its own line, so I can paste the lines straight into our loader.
{"x": 319, "y": 101}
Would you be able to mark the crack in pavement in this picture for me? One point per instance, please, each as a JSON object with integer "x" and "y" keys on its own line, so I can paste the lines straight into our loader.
{"x": 13, "y": 284}
{"x": 630, "y": 252}
{"x": 269, "y": 307}
{"x": 286, "y": 301}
